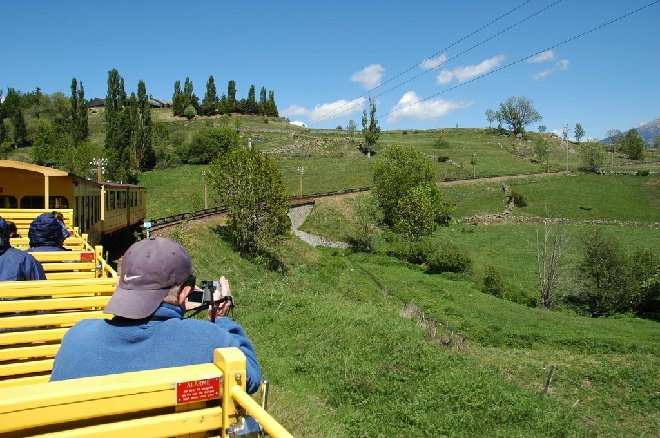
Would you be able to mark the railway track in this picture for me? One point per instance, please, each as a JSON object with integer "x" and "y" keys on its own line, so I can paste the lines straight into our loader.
{"x": 296, "y": 201}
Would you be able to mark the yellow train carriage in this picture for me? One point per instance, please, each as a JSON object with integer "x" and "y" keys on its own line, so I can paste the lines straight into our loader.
{"x": 99, "y": 209}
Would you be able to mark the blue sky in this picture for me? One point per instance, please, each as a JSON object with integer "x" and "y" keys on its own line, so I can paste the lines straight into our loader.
{"x": 323, "y": 59}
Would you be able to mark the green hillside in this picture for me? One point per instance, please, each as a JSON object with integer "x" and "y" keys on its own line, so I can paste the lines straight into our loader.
{"x": 367, "y": 345}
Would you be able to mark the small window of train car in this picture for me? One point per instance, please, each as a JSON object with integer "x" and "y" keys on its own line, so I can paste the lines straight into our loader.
{"x": 54, "y": 202}
{"x": 7, "y": 201}
{"x": 112, "y": 200}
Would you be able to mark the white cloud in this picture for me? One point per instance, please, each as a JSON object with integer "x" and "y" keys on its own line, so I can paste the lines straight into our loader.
{"x": 546, "y": 56}
{"x": 369, "y": 76}
{"x": 464, "y": 74}
{"x": 409, "y": 107}
{"x": 430, "y": 64}
{"x": 298, "y": 123}
{"x": 326, "y": 111}
{"x": 295, "y": 110}
{"x": 562, "y": 65}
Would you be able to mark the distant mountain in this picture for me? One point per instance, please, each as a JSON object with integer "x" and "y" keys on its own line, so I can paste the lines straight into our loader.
{"x": 648, "y": 131}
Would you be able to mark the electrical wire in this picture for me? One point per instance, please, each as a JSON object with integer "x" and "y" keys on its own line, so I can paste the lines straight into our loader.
{"x": 566, "y": 41}
{"x": 325, "y": 116}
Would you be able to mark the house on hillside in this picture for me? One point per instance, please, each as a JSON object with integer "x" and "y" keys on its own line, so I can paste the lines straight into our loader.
{"x": 97, "y": 102}
{"x": 159, "y": 103}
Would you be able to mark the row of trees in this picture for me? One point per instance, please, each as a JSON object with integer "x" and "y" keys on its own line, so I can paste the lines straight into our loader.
{"x": 186, "y": 104}
{"x": 128, "y": 137}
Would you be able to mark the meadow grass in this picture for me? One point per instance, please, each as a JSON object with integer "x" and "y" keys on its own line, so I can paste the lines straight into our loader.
{"x": 343, "y": 362}
{"x": 345, "y": 359}
{"x": 589, "y": 197}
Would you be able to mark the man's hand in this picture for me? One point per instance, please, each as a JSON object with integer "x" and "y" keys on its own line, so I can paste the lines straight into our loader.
{"x": 221, "y": 309}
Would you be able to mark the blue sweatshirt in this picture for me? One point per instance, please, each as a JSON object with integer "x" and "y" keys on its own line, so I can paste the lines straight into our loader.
{"x": 95, "y": 347}
{"x": 14, "y": 263}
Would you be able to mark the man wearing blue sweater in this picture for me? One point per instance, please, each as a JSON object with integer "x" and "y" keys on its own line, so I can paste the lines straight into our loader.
{"x": 149, "y": 330}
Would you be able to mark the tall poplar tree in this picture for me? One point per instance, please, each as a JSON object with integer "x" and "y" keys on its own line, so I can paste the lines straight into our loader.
{"x": 118, "y": 130}
{"x": 177, "y": 100}
{"x": 79, "y": 121}
{"x": 189, "y": 97}
{"x": 144, "y": 152}
{"x": 263, "y": 101}
{"x": 272, "y": 106}
{"x": 251, "y": 106}
{"x": 210, "y": 102}
{"x": 231, "y": 96}
{"x": 370, "y": 129}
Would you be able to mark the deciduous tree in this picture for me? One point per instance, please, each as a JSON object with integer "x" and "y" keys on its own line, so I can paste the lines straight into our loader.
{"x": 633, "y": 145}
{"x": 579, "y": 132}
{"x": 592, "y": 156}
{"x": 405, "y": 189}
{"x": 249, "y": 183}
{"x": 518, "y": 112}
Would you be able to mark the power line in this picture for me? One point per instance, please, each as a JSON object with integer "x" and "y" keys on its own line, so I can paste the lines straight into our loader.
{"x": 580, "y": 35}
{"x": 324, "y": 117}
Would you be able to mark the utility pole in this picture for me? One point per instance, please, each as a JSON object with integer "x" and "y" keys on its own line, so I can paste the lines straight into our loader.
{"x": 206, "y": 191}
{"x": 566, "y": 128}
{"x": 301, "y": 170}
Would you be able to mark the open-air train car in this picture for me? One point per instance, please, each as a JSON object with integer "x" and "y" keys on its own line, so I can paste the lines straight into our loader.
{"x": 100, "y": 208}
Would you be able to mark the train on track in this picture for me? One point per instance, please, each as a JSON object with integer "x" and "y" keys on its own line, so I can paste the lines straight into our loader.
{"x": 101, "y": 209}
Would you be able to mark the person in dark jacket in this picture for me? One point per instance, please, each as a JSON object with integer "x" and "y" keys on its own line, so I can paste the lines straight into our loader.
{"x": 46, "y": 234}
{"x": 14, "y": 263}
{"x": 149, "y": 330}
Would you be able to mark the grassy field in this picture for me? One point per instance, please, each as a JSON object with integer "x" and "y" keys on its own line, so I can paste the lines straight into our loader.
{"x": 347, "y": 357}
{"x": 510, "y": 248}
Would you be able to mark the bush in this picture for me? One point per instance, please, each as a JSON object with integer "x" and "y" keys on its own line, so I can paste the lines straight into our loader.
{"x": 441, "y": 143}
{"x": 208, "y": 143}
{"x": 493, "y": 283}
{"x": 643, "y": 173}
{"x": 443, "y": 159}
{"x": 519, "y": 199}
{"x": 447, "y": 257}
{"x": 608, "y": 283}
{"x": 189, "y": 112}
{"x": 592, "y": 156}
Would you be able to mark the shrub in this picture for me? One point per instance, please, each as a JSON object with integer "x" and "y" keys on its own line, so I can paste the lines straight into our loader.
{"x": 643, "y": 173}
{"x": 592, "y": 156}
{"x": 447, "y": 257}
{"x": 443, "y": 159}
{"x": 608, "y": 282}
{"x": 441, "y": 143}
{"x": 208, "y": 143}
{"x": 493, "y": 283}
{"x": 519, "y": 199}
{"x": 189, "y": 112}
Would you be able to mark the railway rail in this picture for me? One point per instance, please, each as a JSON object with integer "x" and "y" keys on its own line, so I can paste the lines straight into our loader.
{"x": 296, "y": 201}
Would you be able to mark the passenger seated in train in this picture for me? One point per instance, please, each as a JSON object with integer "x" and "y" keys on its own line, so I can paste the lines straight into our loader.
{"x": 13, "y": 230}
{"x": 14, "y": 263}
{"x": 60, "y": 217}
{"x": 46, "y": 234}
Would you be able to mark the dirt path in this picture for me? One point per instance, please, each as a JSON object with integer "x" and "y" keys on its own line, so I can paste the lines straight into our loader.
{"x": 487, "y": 179}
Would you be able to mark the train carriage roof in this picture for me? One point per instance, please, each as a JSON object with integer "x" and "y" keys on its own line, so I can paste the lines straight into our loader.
{"x": 47, "y": 171}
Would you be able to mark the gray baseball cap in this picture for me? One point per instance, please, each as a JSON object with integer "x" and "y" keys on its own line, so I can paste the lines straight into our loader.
{"x": 149, "y": 269}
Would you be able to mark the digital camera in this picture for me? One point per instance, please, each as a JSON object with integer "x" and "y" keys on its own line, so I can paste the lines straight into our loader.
{"x": 204, "y": 295}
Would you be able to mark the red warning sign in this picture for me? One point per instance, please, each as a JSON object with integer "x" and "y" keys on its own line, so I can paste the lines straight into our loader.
{"x": 198, "y": 390}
